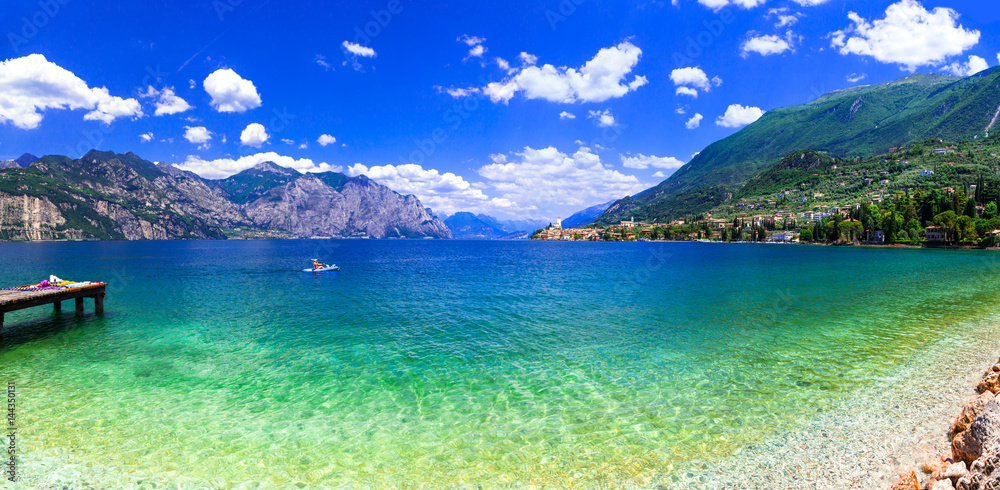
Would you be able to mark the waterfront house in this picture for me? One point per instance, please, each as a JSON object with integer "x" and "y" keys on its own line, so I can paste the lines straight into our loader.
{"x": 934, "y": 234}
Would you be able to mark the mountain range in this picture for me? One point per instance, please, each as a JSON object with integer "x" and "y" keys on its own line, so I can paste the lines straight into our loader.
{"x": 855, "y": 122}
{"x": 467, "y": 225}
{"x": 105, "y": 195}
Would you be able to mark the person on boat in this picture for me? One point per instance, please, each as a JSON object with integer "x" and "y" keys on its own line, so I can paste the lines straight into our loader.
{"x": 317, "y": 264}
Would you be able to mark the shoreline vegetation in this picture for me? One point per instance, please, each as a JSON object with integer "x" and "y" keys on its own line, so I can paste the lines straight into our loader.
{"x": 974, "y": 460}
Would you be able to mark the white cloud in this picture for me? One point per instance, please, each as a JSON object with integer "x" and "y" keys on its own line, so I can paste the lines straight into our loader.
{"x": 358, "y": 50}
{"x": 855, "y": 77}
{"x": 694, "y": 76}
{"x": 810, "y": 3}
{"x": 527, "y": 181}
{"x": 146, "y": 138}
{"x": 737, "y": 116}
{"x": 694, "y": 122}
{"x": 303, "y": 146}
{"x": 225, "y": 167}
{"x": 287, "y": 141}
{"x": 254, "y": 135}
{"x": 969, "y": 68}
{"x": 567, "y": 115}
{"x": 659, "y": 174}
{"x": 767, "y": 45}
{"x": 687, "y": 91}
{"x": 998, "y": 57}
{"x": 784, "y": 17}
{"x": 604, "y": 119}
{"x": 167, "y": 101}
{"x": 458, "y": 93}
{"x": 477, "y": 51}
{"x": 503, "y": 65}
{"x": 325, "y": 139}
{"x": 32, "y": 84}
{"x": 682, "y": 109}
{"x": 909, "y": 35}
{"x": 471, "y": 40}
{"x": 717, "y": 5}
{"x": 321, "y": 61}
{"x": 443, "y": 192}
{"x": 197, "y": 134}
{"x": 598, "y": 80}
{"x": 642, "y": 162}
{"x": 231, "y": 92}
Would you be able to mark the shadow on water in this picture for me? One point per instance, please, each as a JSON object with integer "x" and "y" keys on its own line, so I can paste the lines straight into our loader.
{"x": 53, "y": 324}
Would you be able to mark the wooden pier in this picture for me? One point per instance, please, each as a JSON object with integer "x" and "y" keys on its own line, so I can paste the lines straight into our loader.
{"x": 11, "y": 300}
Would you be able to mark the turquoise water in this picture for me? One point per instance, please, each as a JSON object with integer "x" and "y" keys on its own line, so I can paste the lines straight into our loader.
{"x": 458, "y": 362}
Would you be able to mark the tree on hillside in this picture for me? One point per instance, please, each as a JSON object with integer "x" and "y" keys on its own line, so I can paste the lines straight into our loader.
{"x": 990, "y": 211}
{"x": 806, "y": 234}
{"x": 970, "y": 209}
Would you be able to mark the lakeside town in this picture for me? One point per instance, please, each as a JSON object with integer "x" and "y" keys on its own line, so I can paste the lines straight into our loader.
{"x": 929, "y": 194}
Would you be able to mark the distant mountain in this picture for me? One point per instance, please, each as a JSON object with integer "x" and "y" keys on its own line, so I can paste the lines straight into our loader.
{"x": 26, "y": 159}
{"x": 856, "y": 122}
{"x": 471, "y": 226}
{"x": 105, "y": 195}
{"x": 587, "y": 216}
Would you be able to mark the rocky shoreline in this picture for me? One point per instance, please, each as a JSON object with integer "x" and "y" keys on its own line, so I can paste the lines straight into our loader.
{"x": 974, "y": 436}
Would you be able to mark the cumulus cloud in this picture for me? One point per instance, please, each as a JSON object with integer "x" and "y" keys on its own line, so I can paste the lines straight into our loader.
{"x": 358, "y": 50}
{"x": 254, "y": 135}
{"x": 738, "y": 116}
{"x": 458, "y": 93}
{"x": 604, "y": 118}
{"x": 526, "y": 179}
{"x": 325, "y": 139}
{"x": 444, "y": 192}
{"x": 225, "y": 167}
{"x": 477, "y": 51}
{"x": 287, "y": 141}
{"x": 810, "y": 3}
{"x": 231, "y": 92}
{"x": 693, "y": 76}
{"x": 197, "y": 134}
{"x": 167, "y": 102}
{"x": 32, "y": 84}
{"x": 567, "y": 115}
{"x": 767, "y": 45}
{"x": 694, "y": 122}
{"x": 600, "y": 79}
{"x": 909, "y": 35}
{"x": 855, "y": 77}
{"x": 969, "y": 68}
{"x": 717, "y": 5}
{"x": 784, "y": 17}
{"x": 642, "y": 162}
{"x": 146, "y": 138}
{"x": 687, "y": 91}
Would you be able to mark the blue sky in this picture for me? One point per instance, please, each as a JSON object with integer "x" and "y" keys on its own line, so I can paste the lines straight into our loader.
{"x": 516, "y": 109}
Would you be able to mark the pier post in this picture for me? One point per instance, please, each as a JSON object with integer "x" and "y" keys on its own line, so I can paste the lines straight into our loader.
{"x": 99, "y": 304}
{"x": 57, "y": 306}
{"x": 79, "y": 305}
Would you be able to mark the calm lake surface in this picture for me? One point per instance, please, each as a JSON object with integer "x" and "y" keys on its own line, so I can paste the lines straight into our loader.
{"x": 456, "y": 362}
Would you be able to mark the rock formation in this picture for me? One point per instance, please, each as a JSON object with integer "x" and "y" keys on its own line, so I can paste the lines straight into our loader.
{"x": 974, "y": 462}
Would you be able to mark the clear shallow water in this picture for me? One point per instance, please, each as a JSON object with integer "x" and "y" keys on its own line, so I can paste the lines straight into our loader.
{"x": 432, "y": 362}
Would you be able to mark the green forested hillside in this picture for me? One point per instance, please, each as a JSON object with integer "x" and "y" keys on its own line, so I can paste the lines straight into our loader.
{"x": 856, "y": 122}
